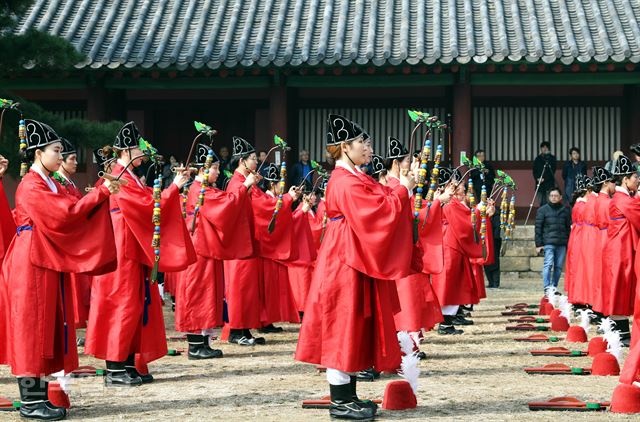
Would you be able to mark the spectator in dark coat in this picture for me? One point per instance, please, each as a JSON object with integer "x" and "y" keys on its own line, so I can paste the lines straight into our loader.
{"x": 544, "y": 170}
{"x": 493, "y": 270}
{"x": 301, "y": 169}
{"x": 572, "y": 167}
{"x": 489, "y": 175}
{"x": 221, "y": 183}
{"x": 553, "y": 225}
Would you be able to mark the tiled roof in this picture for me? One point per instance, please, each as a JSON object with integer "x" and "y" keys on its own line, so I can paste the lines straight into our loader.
{"x": 215, "y": 33}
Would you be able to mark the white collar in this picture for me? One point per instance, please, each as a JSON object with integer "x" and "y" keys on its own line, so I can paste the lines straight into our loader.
{"x": 340, "y": 163}
{"x": 273, "y": 195}
{"x": 46, "y": 178}
{"x": 199, "y": 178}
{"x": 131, "y": 173}
{"x": 622, "y": 189}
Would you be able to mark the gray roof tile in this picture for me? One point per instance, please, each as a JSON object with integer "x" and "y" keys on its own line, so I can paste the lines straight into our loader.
{"x": 215, "y": 33}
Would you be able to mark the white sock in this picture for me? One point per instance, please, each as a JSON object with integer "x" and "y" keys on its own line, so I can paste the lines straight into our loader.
{"x": 337, "y": 377}
{"x": 450, "y": 309}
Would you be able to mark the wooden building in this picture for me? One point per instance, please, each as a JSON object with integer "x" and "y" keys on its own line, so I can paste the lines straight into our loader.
{"x": 506, "y": 74}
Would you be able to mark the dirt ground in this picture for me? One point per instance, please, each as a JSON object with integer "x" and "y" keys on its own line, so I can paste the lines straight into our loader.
{"x": 477, "y": 376}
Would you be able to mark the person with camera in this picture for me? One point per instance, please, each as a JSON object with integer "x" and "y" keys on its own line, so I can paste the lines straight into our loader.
{"x": 544, "y": 169}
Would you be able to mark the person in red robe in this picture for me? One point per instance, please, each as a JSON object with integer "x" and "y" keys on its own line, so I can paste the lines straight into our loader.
{"x": 585, "y": 274}
{"x": 7, "y": 232}
{"x": 56, "y": 235}
{"x": 605, "y": 187}
{"x": 348, "y": 324}
{"x": 125, "y": 318}
{"x": 243, "y": 277}
{"x": 220, "y": 233}
{"x": 276, "y": 248}
{"x": 619, "y": 254}
{"x": 575, "y": 277}
{"x": 301, "y": 270}
{"x": 80, "y": 283}
{"x": 456, "y": 285}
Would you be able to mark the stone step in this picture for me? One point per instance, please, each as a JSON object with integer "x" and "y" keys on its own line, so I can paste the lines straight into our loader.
{"x": 515, "y": 263}
{"x": 520, "y": 248}
{"x": 524, "y": 232}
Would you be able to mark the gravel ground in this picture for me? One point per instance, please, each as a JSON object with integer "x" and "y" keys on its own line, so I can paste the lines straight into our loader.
{"x": 477, "y": 376}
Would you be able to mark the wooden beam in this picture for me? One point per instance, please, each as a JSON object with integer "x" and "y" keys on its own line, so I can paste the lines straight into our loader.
{"x": 42, "y": 83}
{"x": 209, "y": 83}
{"x": 601, "y": 78}
{"x": 374, "y": 81}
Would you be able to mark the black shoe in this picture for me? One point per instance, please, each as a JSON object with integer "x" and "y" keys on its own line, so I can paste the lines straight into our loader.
{"x": 117, "y": 376}
{"x": 355, "y": 398}
{"x": 444, "y": 329}
{"x": 198, "y": 350}
{"x": 622, "y": 325}
{"x": 368, "y": 375}
{"x": 343, "y": 406}
{"x": 130, "y": 367}
{"x": 80, "y": 342}
{"x": 242, "y": 341}
{"x": 458, "y": 320}
{"x": 468, "y": 308}
{"x": 269, "y": 329}
{"x": 34, "y": 401}
{"x": 421, "y": 355}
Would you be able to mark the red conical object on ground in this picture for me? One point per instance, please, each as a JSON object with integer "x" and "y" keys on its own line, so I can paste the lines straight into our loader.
{"x": 544, "y": 300}
{"x": 626, "y": 399}
{"x": 398, "y": 395}
{"x": 596, "y": 345}
{"x": 605, "y": 364}
{"x": 576, "y": 334}
{"x": 545, "y": 309}
{"x": 57, "y": 396}
{"x": 554, "y": 314}
{"x": 559, "y": 323}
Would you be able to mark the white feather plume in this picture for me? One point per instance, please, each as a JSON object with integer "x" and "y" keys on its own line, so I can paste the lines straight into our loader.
{"x": 409, "y": 369}
{"x": 586, "y": 315}
{"x": 607, "y": 325}
{"x": 614, "y": 344}
{"x": 550, "y": 292}
{"x": 565, "y": 307}
{"x": 65, "y": 381}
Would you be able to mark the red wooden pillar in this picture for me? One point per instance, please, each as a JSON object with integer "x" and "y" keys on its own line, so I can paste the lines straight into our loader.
{"x": 462, "y": 120}
{"x": 278, "y": 121}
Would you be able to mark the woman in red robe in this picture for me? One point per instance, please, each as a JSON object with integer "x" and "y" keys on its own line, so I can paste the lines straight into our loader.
{"x": 586, "y": 264}
{"x": 575, "y": 280}
{"x": 456, "y": 285}
{"x": 348, "y": 324}
{"x": 605, "y": 186}
{"x": 80, "y": 283}
{"x": 125, "y": 319}
{"x": 301, "y": 270}
{"x": 7, "y": 232}
{"x": 243, "y": 277}
{"x": 619, "y": 254}
{"x": 276, "y": 248}
{"x": 220, "y": 233}
{"x": 56, "y": 234}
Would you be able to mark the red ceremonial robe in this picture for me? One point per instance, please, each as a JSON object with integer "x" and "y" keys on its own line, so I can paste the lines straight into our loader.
{"x": 7, "y": 233}
{"x": 419, "y": 304}
{"x": 587, "y": 252}
{"x": 618, "y": 256}
{"x": 275, "y": 248}
{"x": 243, "y": 277}
{"x": 170, "y": 281}
{"x": 126, "y": 310}
{"x": 301, "y": 270}
{"x": 479, "y": 263}
{"x": 221, "y": 233}
{"x": 602, "y": 222}
{"x": 57, "y": 234}
{"x": 319, "y": 224}
{"x": 348, "y": 323}
{"x": 573, "y": 249}
{"x": 80, "y": 283}
{"x": 456, "y": 284}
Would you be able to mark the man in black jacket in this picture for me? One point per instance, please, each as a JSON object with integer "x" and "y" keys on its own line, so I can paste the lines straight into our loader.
{"x": 553, "y": 225}
{"x": 544, "y": 170}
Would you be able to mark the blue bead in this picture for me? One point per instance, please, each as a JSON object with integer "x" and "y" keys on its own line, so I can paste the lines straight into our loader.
{"x": 157, "y": 251}
{"x": 415, "y": 214}
{"x": 156, "y": 204}
{"x": 157, "y": 229}
{"x": 424, "y": 166}
{"x": 419, "y": 190}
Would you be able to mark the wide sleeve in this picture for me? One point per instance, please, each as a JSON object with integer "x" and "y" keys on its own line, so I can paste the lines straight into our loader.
{"x": 430, "y": 238}
{"x": 7, "y": 224}
{"x": 175, "y": 241}
{"x": 376, "y": 224}
{"x": 459, "y": 218}
{"x": 224, "y": 228}
{"x": 631, "y": 210}
{"x": 71, "y": 235}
